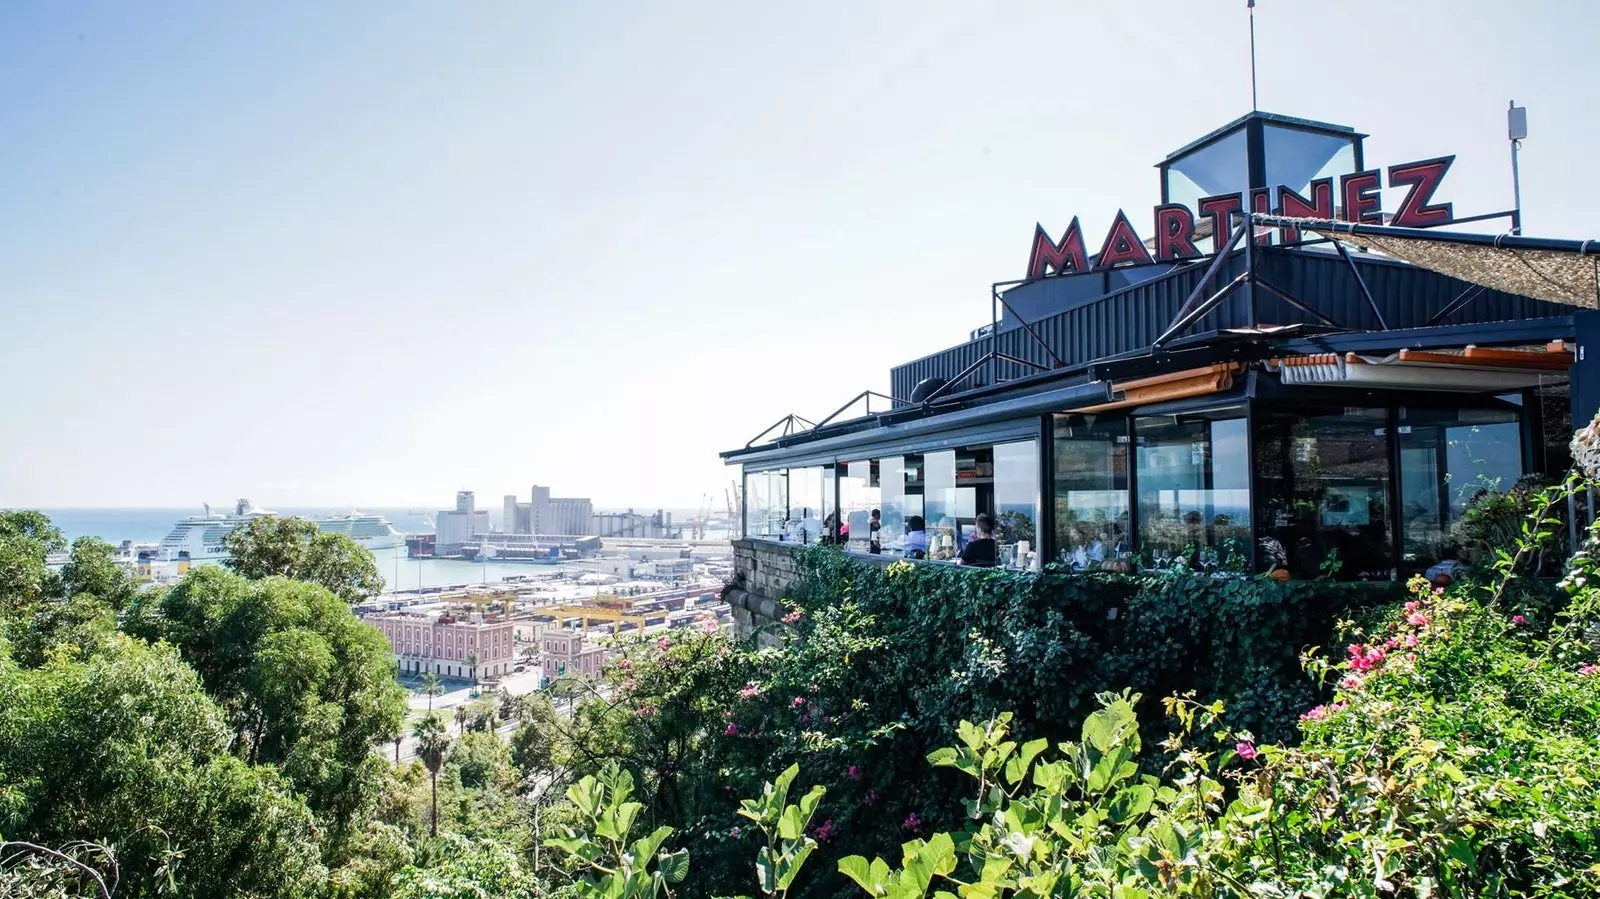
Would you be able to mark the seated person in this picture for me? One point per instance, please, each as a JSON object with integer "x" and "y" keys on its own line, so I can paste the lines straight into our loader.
{"x": 981, "y": 550}
{"x": 916, "y": 543}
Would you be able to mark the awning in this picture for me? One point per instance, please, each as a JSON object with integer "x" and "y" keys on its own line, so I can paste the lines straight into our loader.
{"x": 1473, "y": 370}
{"x": 1560, "y": 271}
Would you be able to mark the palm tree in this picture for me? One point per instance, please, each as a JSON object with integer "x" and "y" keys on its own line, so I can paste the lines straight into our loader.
{"x": 433, "y": 744}
{"x": 433, "y": 687}
{"x": 472, "y": 662}
{"x": 461, "y": 718}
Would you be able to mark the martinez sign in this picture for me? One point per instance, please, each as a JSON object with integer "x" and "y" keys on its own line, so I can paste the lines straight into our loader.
{"x": 1359, "y": 193}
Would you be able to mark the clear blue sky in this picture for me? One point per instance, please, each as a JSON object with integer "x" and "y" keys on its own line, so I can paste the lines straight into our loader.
{"x": 373, "y": 252}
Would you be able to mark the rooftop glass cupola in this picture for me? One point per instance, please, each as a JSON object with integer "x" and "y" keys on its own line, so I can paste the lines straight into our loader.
{"x": 1259, "y": 151}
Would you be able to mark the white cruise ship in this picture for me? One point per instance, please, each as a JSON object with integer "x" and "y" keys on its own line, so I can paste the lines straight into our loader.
{"x": 201, "y": 535}
{"x": 371, "y": 531}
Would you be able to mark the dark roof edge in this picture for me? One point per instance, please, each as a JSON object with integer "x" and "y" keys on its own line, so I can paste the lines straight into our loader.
{"x": 1059, "y": 399}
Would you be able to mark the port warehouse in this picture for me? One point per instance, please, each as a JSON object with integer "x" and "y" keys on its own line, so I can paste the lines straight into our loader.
{"x": 1319, "y": 396}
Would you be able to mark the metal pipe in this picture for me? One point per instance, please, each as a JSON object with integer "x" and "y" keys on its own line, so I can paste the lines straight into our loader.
{"x": 1060, "y": 363}
{"x": 1199, "y": 311}
{"x": 1362, "y": 283}
{"x": 1211, "y": 272}
{"x": 1303, "y": 307}
{"x": 1250, "y": 262}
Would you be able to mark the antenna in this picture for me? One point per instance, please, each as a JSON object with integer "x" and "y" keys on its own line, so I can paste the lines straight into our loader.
{"x": 1254, "y": 106}
{"x": 1516, "y": 132}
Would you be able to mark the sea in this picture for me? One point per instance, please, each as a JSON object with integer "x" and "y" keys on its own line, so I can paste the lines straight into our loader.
{"x": 399, "y": 572}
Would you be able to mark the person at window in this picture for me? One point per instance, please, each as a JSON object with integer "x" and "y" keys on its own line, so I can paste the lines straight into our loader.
{"x": 873, "y": 527}
{"x": 981, "y": 550}
{"x": 916, "y": 538}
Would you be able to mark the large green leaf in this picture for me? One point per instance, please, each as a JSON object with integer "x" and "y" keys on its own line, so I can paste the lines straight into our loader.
{"x": 674, "y": 865}
{"x": 1130, "y": 803}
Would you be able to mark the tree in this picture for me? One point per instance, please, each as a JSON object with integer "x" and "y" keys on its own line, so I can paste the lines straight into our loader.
{"x": 125, "y": 748}
{"x": 26, "y": 539}
{"x": 472, "y": 664}
{"x": 433, "y": 744}
{"x": 303, "y": 682}
{"x": 92, "y": 570}
{"x": 432, "y": 686}
{"x": 298, "y": 549}
{"x": 481, "y": 760}
{"x": 533, "y": 744}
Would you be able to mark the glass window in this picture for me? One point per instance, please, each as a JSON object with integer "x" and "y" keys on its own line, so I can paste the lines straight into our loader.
{"x": 1448, "y": 458}
{"x": 810, "y": 504}
{"x": 1016, "y": 502}
{"x": 1091, "y": 489}
{"x": 939, "y": 501}
{"x": 1193, "y": 475}
{"x": 1295, "y": 158}
{"x": 902, "y": 494}
{"x": 766, "y": 497}
{"x": 1322, "y": 503}
{"x": 859, "y": 496}
{"x": 1220, "y": 167}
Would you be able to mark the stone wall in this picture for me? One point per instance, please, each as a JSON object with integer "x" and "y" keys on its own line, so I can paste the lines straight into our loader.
{"x": 763, "y": 571}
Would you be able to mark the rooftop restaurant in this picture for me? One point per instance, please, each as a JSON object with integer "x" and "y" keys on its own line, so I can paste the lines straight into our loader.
{"x": 1310, "y": 364}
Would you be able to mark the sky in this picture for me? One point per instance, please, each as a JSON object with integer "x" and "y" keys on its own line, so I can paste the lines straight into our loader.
{"x": 371, "y": 253}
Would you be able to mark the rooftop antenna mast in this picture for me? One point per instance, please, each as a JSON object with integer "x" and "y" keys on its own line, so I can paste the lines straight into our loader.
{"x": 1516, "y": 132}
{"x": 1254, "y": 106}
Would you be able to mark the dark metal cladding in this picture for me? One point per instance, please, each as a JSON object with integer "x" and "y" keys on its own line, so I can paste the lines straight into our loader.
{"x": 1129, "y": 319}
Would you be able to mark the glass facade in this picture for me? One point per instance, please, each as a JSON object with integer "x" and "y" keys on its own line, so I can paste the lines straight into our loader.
{"x": 1193, "y": 477}
{"x": 1090, "y": 472}
{"x": 1448, "y": 459}
{"x": 766, "y": 504}
{"x": 1322, "y": 483}
{"x": 1298, "y": 490}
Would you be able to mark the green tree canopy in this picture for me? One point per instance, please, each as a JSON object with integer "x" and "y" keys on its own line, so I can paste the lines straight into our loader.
{"x": 125, "y": 749}
{"x": 92, "y": 570}
{"x": 303, "y": 682}
{"x": 296, "y": 548}
{"x": 26, "y": 538}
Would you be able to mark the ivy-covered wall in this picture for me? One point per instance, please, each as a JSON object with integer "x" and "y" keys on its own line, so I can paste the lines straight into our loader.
{"x": 968, "y": 643}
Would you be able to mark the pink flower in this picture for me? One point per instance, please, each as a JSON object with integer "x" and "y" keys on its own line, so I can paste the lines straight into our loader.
{"x": 912, "y": 822}
{"x": 630, "y": 685}
{"x": 1589, "y": 670}
{"x": 624, "y": 664}
{"x": 1350, "y": 682}
{"x": 1411, "y": 641}
{"x": 732, "y": 731}
{"x": 1246, "y": 750}
{"x": 1438, "y": 591}
{"x": 799, "y": 701}
{"x": 854, "y": 772}
{"x": 749, "y": 691}
{"x": 664, "y": 643}
{"x": 734, "y": 833}
{"x": 793, "y": 617}
{"x": 1417, "y": 619}
{"x": 823, "y": 832}
{"x": 871, "y": 797}
{"x": 645, "y": 711}
{"x": 709, "y": 626}
{"x": 1413, "y": 605}
{"x": 1519, "y": 619}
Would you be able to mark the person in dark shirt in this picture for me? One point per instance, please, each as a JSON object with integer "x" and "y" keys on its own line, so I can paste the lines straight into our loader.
{"x": 980, "y": 551}
{"x": 873, "y": 526}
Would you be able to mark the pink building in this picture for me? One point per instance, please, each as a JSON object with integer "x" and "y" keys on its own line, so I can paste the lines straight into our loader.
{"x": 446, "y": 646}
{"x": 565, "y": 655}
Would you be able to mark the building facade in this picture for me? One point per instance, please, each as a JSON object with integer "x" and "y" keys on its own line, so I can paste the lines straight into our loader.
{"x": 547, "y": 515}
{"x": 457, "y": 527}
{"x": 449, "y": 647}
{"x": 1295, "y": 375}
{"x": 565, "y": 653}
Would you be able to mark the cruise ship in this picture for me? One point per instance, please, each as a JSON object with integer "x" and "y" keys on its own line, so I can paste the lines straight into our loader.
{"x": 201, "y": 535}
{"x": 371, "y": 531}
